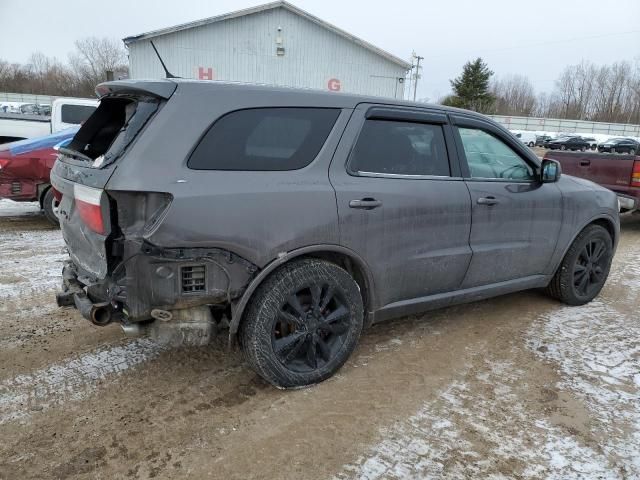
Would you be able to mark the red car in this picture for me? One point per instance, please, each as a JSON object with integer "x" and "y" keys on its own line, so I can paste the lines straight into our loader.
{"x": 25, "y": 167}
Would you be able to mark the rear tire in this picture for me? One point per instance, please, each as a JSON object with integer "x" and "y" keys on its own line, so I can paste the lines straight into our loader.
{"x": 584, "y": 268}
{"x": 302, "y": 324}
{"x": 50, "y": 207}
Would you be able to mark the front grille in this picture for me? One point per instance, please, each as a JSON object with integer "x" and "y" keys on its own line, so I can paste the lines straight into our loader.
{"x": 16, "y": 187}
{"x": 193, "y": 279}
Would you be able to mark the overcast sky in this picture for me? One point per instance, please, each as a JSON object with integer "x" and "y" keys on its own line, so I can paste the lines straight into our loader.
{"x": 535, "y": 38}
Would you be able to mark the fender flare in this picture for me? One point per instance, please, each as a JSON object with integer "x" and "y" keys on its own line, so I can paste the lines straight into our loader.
{"x": 239, "y": 308}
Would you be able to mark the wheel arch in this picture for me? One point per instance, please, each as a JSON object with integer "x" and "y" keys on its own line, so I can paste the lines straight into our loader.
{"x": 344, "y": 257}
{"x": 604, "y": 221}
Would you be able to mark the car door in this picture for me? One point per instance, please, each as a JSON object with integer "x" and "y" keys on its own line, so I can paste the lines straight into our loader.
{"x": 402, "y": 204}
{"x": 515, "y": 218}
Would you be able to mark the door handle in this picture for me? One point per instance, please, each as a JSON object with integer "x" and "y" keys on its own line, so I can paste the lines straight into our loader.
{"x": 365, "y": 203}
{"x": 585, "y": 163}
{"x": 487, "y": 201}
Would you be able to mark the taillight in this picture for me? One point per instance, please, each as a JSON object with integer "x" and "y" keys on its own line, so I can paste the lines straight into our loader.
{"x": 4, "y": 162}
{"x": 635, "y": 174}
{"x": 88, "y": 205}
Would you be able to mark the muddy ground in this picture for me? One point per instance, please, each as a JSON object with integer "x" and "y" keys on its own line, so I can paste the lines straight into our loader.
{"x": 515, "y": 387}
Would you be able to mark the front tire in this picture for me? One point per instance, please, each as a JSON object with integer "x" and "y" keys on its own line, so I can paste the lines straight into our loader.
{"x": 585, "y": 267}
{"x": 302, "y": 324}
{"x": 50, "y": 207}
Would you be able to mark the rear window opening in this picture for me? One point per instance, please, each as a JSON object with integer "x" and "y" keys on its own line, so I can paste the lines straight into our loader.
{"x": 111, "y": 128}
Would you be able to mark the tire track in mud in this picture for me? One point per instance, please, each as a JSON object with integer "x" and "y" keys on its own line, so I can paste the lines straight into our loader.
{"x": 71, "y": 380}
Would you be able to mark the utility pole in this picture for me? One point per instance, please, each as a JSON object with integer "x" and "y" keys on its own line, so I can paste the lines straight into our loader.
{"x": 415, "y": 83}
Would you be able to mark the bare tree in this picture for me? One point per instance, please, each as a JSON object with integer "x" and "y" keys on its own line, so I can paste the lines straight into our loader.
{"x": 94, "y": 57}
{"x": 514, "y": 95}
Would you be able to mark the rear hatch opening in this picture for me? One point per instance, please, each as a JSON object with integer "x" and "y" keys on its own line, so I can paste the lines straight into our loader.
{"x": 88, "y": 213}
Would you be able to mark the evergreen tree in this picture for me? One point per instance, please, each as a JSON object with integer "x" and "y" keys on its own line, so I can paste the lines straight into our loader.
{"x": 471, "y": 89}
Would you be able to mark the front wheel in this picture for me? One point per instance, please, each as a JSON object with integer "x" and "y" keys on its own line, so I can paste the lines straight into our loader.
{"x": 302, "y": 324}
{"x": 584, "y": 268}
{"x": 50, "y": 207}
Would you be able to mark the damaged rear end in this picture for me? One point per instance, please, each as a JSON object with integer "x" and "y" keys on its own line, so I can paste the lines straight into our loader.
{"x": 115, "y": 272}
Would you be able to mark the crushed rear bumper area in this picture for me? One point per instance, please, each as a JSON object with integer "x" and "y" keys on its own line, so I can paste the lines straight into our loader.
{"x": 154, "y": 282}
{"x": 73, "y": 294}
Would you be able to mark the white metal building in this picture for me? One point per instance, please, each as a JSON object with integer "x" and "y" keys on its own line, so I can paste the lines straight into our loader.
{"x": 277, "y": 44}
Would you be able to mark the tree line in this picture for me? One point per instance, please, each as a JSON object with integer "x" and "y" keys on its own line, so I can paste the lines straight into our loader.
{"x": 605, "y": 93}
{"x": 92, "y": 61}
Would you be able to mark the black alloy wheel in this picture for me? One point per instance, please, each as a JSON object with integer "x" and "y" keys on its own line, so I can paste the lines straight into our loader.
{"x": 590, "y": 267}
{"x": 303, "y": 323}
{"x": 311, "y": 327}
{"x": 584, "y": 268}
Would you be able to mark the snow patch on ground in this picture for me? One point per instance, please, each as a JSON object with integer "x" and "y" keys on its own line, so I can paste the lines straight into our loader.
{"x": 73, "y": 379}
{"x": 30, "y": 262}
{"x": 597, "y": 350}
{"x": 466, "y": 435}
{"x": 9, "y": 208}
{"x": 479, "y": 426}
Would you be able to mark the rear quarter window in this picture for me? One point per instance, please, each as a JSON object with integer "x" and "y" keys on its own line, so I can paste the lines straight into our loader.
{"x": 264, "y": 139}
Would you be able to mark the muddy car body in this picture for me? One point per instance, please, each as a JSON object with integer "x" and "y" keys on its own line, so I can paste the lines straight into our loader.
{"x": 301, "y": 217}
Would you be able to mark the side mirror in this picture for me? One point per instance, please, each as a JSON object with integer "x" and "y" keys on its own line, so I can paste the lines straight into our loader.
{"x": 550, "y": 171}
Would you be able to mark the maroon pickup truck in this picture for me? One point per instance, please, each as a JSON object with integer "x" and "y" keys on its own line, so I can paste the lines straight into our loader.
{"x": 620, "y": 173}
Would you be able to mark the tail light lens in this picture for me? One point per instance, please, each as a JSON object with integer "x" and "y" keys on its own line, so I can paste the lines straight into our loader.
{"x": 4, "y": 162}
{"x": 88, "y": 204}
{"x": 635, "y": 175}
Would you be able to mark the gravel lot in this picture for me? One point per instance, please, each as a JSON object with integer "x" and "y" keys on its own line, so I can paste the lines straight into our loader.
{"x": 515, "y": 387}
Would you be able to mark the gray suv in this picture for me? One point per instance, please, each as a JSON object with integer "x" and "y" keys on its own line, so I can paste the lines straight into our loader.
{"x": 298, "y": 218}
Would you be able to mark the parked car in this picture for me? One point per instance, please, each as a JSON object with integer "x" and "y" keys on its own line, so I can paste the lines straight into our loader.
{"x": 528, "y": 138}
{"x": 299, "y": 218}
{"x": 593, "y": 143}
{"x": 568, "y": 143}
{"x": 542, "y": 140}
{"x": 63, "y": 114}
{"x": 24, "y": 170}
{"x": 619, "y": 174}
{"x": 620, "y": 145}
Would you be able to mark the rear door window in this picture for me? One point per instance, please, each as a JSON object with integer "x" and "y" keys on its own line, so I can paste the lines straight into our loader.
{"x": 400, "y": 148}
{"x": 264, "y": 139}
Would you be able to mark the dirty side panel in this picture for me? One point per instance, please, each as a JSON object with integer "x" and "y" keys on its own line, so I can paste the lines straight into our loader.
{"x": 255, "y": 215}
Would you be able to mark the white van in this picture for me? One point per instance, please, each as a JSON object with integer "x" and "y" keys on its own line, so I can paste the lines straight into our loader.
{"x": 528, "y": 138}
